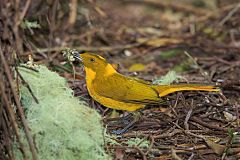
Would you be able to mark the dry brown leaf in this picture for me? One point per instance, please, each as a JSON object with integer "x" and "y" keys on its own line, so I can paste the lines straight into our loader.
{"x": 150, "y": 30}
{"x": 159, "y": 42}
{"x": 229, "y": 116}
{"x": 100, "y": 11}
{"x": 217, "y": 148}
{"x": 119, "y": 154}
{"x": 166, "y": 111}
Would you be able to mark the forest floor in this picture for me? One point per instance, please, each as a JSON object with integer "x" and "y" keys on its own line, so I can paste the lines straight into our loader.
{"x": 149, "y": 38}
{"x": 200, "y": 42}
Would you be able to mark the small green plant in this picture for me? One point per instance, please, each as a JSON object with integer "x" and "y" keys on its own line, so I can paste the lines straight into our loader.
{"x": 170, "y": 53}
{"x": 26, "y": 24}
{"x": 169, "y": 78}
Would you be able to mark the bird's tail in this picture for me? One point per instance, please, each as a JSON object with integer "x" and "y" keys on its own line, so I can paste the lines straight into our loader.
{"x": 164, "y": 90}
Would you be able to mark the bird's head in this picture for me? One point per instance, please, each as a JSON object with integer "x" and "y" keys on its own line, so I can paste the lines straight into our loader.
{"x": 94, "y": 62}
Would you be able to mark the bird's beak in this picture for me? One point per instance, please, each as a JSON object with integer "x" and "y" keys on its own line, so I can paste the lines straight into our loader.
{"x": 77, "y": 56}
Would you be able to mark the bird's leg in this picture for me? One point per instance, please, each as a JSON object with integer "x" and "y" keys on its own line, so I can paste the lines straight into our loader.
{"x": 126, "y": 119}
{"x": 120, "y": 120}
{"x": 136, "y": 117}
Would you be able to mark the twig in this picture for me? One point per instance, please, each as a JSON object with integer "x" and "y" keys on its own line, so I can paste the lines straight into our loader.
{"x": 28, "y": 86}
{"x": 236, "y": 106}
{"x": 151, "y": 144}
{"x": 191, "y": 157}
{"x": 199, "y": 67}
{"x": 33, "y": 69}
{"x": 18, "y": 20}
{"x": 195, "y": 119}
{"x": 215, "y": 58}
{"x": 175, "y": 105}
{"x": 73, "y": 12}
{"x": 25, "y": 9}
{"x": 165, "y": 135}
{"x": 16, "y": 26}
{"x": 142, "y": 153}
{"x": 230, "y": 14}
{"x": 174, "y": 155}
{"x": 6, "y": 134}
{"x": 12, "y": 118}
{"x": 134, "y": 150}
{"x": 188, "y": 117}
{"x": 32, "y": 46}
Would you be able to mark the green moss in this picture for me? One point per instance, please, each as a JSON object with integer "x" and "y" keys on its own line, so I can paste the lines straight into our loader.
{"x": 64, "y": 127}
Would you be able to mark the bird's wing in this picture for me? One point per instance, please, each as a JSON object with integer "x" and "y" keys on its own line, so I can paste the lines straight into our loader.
{"x": 126, "y": 89}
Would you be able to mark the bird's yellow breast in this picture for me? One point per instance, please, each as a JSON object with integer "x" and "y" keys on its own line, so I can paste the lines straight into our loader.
{"x": 108, "y": 102}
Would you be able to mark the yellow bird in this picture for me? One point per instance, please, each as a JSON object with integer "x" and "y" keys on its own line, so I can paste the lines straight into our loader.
{"x": 117, "y": 91}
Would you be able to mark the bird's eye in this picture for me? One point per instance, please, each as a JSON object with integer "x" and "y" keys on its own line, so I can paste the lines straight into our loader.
{"x": 92, "y": 59}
